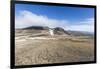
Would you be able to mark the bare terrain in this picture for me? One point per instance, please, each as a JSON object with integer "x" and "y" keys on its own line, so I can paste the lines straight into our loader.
{"x": 31, "y": 48}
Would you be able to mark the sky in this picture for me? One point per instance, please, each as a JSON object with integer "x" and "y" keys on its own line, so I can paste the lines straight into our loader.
{"x": 68, "y": 18}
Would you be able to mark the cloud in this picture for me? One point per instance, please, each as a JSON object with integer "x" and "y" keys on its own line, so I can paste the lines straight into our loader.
{"x": 26, "y": 18}
{"x": 85, "y": 25}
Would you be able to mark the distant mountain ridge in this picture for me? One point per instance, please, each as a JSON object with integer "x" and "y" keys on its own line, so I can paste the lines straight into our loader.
{"x": 57, "y": 31}
{"x": 37, "y": 27}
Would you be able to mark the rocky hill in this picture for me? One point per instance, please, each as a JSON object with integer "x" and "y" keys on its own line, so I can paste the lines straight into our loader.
{"x": 40, "y": 30}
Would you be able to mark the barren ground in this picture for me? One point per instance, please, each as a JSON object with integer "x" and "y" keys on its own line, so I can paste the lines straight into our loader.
{"x": 45, "y": 50}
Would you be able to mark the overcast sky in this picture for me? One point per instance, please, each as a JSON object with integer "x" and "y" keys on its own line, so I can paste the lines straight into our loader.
{"x": 69, "y": 18}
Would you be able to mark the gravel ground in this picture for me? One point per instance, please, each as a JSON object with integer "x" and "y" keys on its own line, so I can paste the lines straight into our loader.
{"x": 46, "y": 51}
